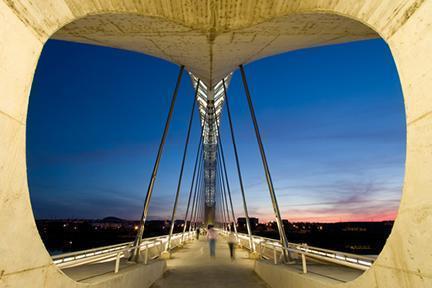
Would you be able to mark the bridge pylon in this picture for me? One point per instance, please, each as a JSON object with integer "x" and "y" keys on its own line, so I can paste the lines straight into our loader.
{"x": 210, "y": 215}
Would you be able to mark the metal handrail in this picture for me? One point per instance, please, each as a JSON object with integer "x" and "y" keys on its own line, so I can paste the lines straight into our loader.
{"x": 72, "y": 254}
{"x": 118, "y": 251}
{"x": 360, "y": 262}
{"x": 297, "y": 246}
{"x": 112, "y": 252}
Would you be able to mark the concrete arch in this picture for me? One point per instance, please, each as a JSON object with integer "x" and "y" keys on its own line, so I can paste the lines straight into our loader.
{"x": 405, "y": 25}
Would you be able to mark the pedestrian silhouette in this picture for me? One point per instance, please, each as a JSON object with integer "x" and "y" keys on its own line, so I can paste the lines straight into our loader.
{"x": 197, "y": 233}
{"x": 212, "y": 237}
{"x": 232, "y": 240}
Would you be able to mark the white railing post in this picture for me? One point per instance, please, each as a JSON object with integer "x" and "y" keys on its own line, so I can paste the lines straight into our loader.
{"x": 146, "y": 254}
{"x": 117, "y": 263}
{"x": 304, "y": 263}
{"x": 274, "y": 255}
{"x": 159, "y": 246}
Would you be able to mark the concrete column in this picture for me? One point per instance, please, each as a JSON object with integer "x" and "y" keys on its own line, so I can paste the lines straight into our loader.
{"x": 209, "y": 215}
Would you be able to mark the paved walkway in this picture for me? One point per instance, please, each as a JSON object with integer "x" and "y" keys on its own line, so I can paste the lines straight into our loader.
{"x": 193, "y": 267}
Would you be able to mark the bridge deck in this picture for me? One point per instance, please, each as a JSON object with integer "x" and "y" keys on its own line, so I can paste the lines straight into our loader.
{"x": 193, "y": 267}
{"x": 93, "y": 273}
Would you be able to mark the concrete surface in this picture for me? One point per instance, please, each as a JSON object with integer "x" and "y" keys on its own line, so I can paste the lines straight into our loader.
{"x": 329, "y": 272}
{"x": 234, "y": 32}
{"x": 102, "y": 274}
{"x": 226, "y": 48}
{"x": 193, "y": 267}
{"x": 319, "y": 275}
{"x": 91, "y": 273}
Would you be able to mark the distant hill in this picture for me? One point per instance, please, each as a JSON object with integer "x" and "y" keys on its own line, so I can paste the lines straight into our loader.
{"x": 112, "y": 219}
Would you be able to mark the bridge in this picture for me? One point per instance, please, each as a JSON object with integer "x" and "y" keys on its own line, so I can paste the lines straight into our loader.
{"x": 101, "y": 264}
{"x": 209, "y": 40}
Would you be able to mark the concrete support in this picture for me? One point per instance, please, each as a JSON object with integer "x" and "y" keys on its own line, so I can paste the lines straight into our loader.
{"x": 211, "y": 40}
{"x": 209, "y": 215}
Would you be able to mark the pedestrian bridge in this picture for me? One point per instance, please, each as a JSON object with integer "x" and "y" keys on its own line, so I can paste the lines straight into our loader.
{"x": 210, "y": 39}
{"x": 190, "y": 264}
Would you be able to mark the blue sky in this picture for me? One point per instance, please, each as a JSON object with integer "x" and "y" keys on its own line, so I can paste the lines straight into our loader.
{"x": 332, "y": 120}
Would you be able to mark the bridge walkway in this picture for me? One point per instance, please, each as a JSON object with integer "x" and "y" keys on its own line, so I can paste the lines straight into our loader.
{"x": 193, "y": 267}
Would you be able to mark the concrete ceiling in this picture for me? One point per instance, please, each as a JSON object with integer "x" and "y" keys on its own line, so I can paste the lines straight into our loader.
{"x": 213, "y": 49}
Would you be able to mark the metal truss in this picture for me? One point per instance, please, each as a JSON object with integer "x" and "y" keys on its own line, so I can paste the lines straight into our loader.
{"x": 210, "y": 102}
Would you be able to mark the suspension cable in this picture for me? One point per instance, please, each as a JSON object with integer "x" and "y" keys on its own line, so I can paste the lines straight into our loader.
{"x": 218, "y": 216}
{"x": 194, "y": 174}
{"x": 224, "y": 194}
{"x": 225, "y": 208}
{"x": 219, "y": 174}
{"x": 222, "y": 206}
{"x": 140, "y": 233}
{"x": 222, "y": 157}
{"x": 216, "y": 207}
{"x": 203, "y": 202}
{"x": 251, "y": 243}
{"x": 198, "y": 200}
{"x": 276, "y": 210}
{"x": 201, "y": 206}
{"x": 168, "y": 246}
{"x": 196, "y": 191}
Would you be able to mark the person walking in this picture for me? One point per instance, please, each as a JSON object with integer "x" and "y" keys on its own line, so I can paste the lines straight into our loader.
{"x": 197, "y": 233}
{"x": 232, "y": 240}
{"x": 212, "y": 237}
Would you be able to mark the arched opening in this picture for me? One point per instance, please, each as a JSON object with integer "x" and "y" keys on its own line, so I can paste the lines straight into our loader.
{"x": 405, "y": 248}
{"x": 114, "y": 30}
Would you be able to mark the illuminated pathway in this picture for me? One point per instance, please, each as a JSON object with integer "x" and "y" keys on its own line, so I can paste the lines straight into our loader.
{"x": 193, "y": 267}
{"x": 99, "y": 265}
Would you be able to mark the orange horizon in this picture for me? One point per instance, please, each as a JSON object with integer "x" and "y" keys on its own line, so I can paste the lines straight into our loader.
{"x": 391, "y": 216}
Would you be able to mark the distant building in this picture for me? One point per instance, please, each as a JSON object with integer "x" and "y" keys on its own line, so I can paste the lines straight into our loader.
{"x": 241, "y": 222}
{"x": 179, "y": 223}
{"x": 287, "y": 225}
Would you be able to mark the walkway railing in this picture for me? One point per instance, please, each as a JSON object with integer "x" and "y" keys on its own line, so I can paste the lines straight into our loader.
{"x": 152, "y": 248}
{"x": 268, "y": 249}
{"x": 271, "y": 249}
